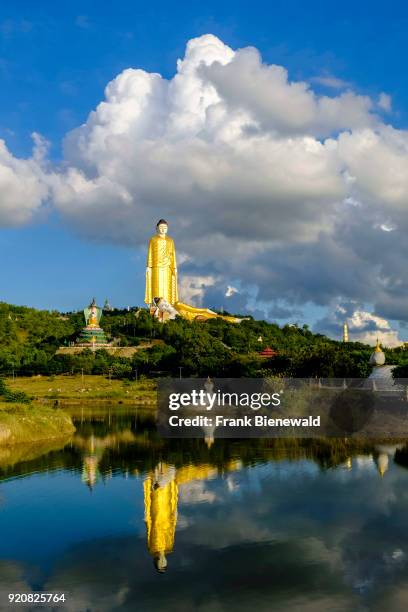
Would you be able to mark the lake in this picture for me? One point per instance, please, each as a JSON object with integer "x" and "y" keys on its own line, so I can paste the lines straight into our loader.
{"x": 118, "y": 519}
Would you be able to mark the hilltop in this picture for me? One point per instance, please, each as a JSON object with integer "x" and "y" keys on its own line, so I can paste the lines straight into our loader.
{"x": 30, "y": 339}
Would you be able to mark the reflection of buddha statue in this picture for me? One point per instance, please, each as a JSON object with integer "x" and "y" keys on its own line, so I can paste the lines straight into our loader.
{"x": 160, "y": 499}
{"x": 161, "y": 282}
{"x": 160, "y": 496}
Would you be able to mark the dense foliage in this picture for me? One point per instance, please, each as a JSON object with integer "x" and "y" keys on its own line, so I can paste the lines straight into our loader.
{"x": 29, "y": 340}
{"x": 7, "y": 395}
{"x": 29, "y": 337}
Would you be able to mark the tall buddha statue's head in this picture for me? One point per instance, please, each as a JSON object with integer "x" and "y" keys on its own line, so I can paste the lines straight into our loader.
{"x": 161, "y": 228}
{"x": 160, "y": 562}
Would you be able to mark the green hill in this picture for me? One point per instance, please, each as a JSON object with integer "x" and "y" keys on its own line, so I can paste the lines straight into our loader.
{"x": 29, "y": 339}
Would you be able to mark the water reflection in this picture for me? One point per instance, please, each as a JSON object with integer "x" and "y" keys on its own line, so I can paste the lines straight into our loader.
{"x": 161, "y": 490}
{"x": 273, "y": 524}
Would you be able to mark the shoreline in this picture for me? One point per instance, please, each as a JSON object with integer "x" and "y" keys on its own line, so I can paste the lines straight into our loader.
{"x": 44, "y": 419}
{"x": 26, "y": 424}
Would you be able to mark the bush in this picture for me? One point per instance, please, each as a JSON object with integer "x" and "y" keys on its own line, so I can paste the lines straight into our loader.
{"x": 13, "y": 396}
{"x": 121, "y": 370}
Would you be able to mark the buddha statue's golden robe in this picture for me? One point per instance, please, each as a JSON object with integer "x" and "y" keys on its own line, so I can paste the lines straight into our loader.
{"x": 161, "y": 496}
{"x": 161, "y": 271}
{"x": 161, "y": 282}
{"x": 93, "y": 319}
{"x": 160, "y": 514}
{"x": 192, "y": 313}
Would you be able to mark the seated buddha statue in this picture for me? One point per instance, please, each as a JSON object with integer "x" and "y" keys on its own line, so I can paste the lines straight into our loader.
{"x": 92, "y": 314}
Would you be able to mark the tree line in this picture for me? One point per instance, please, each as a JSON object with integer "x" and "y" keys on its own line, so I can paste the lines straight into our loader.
{"x": 30, "y": 338}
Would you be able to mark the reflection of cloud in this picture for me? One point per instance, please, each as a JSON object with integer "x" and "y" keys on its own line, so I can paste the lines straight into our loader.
{"x": 182, "y": 521}
{"x": 324, "y": 540}
{"x": 12, "y": 580}
{"x": 195, "y": 492}
{"x": 198, "y": 578}
{"x": 232, "y": 484}
{"x": 396, "y": 556}
{"x": 364, "y": 462}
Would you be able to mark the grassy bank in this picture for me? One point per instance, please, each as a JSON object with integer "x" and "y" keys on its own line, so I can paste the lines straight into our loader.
{"x": 66, "y": 390}
{"x": 22, "y": 423}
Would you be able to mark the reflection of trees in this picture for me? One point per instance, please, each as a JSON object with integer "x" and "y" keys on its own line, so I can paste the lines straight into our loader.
{"x": 129, "y": 443}
{"x": 401, "y": 456}
{"x": 44, "y": 456}
{"x": 25, "y": 453}
{"x": 102, "y": 422}
{"x": 92, "y": 449}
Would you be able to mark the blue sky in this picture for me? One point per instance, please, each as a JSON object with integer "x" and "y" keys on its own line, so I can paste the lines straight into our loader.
{"x": 57, "y": 58}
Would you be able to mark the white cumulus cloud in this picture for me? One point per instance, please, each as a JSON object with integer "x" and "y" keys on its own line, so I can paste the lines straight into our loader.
{"x": 368, "y": 328}
{"x": 385, "y": 102}
{"x": 23, "y": 185}
{"x": 364, "y": 326}
{"x": 264, "y": 182}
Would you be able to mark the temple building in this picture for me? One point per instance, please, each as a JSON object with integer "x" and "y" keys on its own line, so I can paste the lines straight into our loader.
{"x": 107, "y": 306}
{"x": 92, "y": 335}
{"x": 268, "y": 353}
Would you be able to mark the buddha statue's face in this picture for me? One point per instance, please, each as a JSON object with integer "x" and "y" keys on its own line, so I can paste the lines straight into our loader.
{"x": 162, "y": 229}
{"x": 160, "y": 562}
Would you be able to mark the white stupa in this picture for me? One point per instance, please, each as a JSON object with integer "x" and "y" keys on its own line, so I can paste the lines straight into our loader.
{"x": 377, "y": 357}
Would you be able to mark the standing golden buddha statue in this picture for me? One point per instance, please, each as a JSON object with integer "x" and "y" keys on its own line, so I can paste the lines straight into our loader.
{"x": 161, "y": 282}
{"x": 161, "y": 270}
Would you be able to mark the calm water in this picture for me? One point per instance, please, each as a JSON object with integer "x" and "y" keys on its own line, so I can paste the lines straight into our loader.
{"x": 235, "y": 525}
